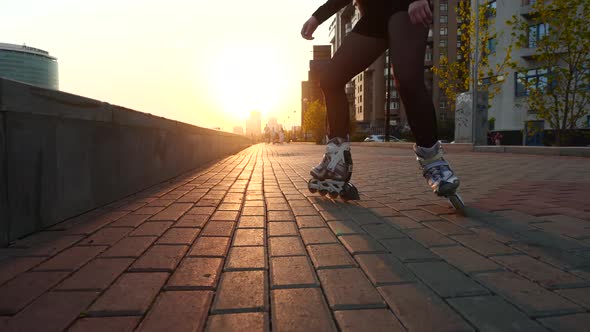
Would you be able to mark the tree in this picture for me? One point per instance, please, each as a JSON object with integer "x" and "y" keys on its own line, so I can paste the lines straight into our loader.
{"x": 314, "y": 121}
{"x": 455, "y": 75}
{"x": 558, "y": 88}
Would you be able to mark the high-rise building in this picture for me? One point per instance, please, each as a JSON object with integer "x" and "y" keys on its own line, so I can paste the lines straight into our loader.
{"x": 238, "y": 130}
{"x": 310, "y": 89}
{"x": 28, "y": 65}
{"x": 253, "y": 124}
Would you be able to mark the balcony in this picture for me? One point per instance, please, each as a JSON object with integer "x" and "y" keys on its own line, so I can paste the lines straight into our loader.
{"x": 526, "y": 8}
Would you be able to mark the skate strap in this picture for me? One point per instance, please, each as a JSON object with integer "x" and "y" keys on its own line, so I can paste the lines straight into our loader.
{"x": 337, "y": 155}
{"x": 440, "y": 162}
{"x": 426, "y": 161}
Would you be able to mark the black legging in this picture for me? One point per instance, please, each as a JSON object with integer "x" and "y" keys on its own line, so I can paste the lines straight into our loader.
{"x": 407, "y": 44}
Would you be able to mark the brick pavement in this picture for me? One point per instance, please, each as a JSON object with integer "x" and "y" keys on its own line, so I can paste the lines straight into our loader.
{"x": 241, "y": 245}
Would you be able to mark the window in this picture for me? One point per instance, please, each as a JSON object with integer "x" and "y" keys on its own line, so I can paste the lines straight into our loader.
{"x": 444, "y": 7}
{"x": 491, "y": 9}
{"x": 534, "y": 78}
{"x": 491, "y": 47}
{"x": 442, "y": 43}
{"x": 428, "y": 55}
{"x": 444, "y": 31}
{"x": 444, "y": 19}
{"x": 536, "y": 33}
{"x": 442, "y": 104}
{"x": 443, "y": 53}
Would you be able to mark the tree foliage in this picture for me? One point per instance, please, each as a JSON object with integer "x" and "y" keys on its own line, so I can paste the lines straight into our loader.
{"x": 314, "y": 121}
{"x": 455, "y": 75}
{"x": 561, "y": 93}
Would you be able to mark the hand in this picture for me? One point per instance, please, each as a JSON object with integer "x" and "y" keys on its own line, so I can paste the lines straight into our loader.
{"x": 309, "y": 27}
{"x": 420, "y": 12}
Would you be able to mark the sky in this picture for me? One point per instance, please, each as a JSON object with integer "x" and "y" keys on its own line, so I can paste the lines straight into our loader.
{"x": 204, "y": 62}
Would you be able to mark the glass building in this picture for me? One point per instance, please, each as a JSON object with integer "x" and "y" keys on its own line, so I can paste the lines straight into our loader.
{"x": 28, "y": 65}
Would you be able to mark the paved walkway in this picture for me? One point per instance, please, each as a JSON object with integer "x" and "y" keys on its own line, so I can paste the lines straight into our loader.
{"x": 242, "y": 245}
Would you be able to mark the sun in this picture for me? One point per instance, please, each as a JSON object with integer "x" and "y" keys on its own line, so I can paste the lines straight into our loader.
{"x": 244, "y": 78}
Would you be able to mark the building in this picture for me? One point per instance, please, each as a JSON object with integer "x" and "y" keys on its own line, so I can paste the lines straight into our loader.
{"x": 253, "y": 124}
{"x": 310, "y": 89}
{"x": 238, "y": 130}
{"x": 28, "y": 65}
{"x": 509, "y": 107}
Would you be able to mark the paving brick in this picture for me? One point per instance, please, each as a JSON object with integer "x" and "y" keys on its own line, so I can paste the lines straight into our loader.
{"x": 285, "y": 246}
{"x": 345, "y": 227}
{"x": 402, "y": 223}
{"x": 570, "y": 323}
{"x": 483, "y": 245}
{"x": 229, "y": 207}
{"x": 445, "y": 280}
{"x": 54, "y": 246}
{"x": 361, "y": 244}
{"x": 310, "y": 221}
{"x": 364, "y": 320}
{"x": 11, "y": 267}
{"x": 246, "y": 258}
{"x": 106, "y": 236}
{"x": 178, "y": 311}
{"x": 491, "y": 313}
{"x": 218, "y": 228}
{"x": 249, "y": 237}
{"x": 192, "y": 220}
{"x": 429, "y": 238}
{"x": 447, "y": 228}
{"x": 292, "y": 272}
{"x": 529, "y": 297}
{"x": 205, "y": 210}
{"x": 152, "y": 228}
{"x": 383, "y": 231}
{"x": 304, "y": 211}
{"x": 249, "y": 321}
{"x": 540, "y": 272}
{"x": 130, "y": 295}
{"x": 130, "y": 220}
{"x": 253, "y": 211}
{"x": 96, "y": 275}
{"x": 282, "y": 229}
{"x": 580, "y": 296}
{"x": 300, "y": 309}
{"x": 196, "y": 273}
{"x": 408, "y": 250}
{"x": 317, "y": 236}
{"x": 241, "y": 291}
{"x": 384, "y": 269}
{"x": 100, "y": 324}
{"x": 362, "y": 218}
{"x": 160, "y": 259}
{"x": 225, "y": 216}
{"x": 210, "y": 246}
{"x": 466, "y": 259}
{"x": 149, "y": 210}
{"x": 53, "y": 311}
{"x": 420, "y": 215}
{"x": 326, "y": 256}
{"x": 410, "y": 302}
{"x": 70, "y": 259}
{"x": 130, "y": 247}
{"x": 251, "y": 222}
{"x": 280, "y": 216}
{"x": 349, "y": 289}
{"x": 179, "y": 236}
{"x": 20, "y": 291}
{"x": 173, "y": 212}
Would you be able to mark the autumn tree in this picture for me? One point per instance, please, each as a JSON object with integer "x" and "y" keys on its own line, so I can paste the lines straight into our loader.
{"x": 314, "y": 121}
{"x": 559, "y": 33}
{"x": 455, "y": 75}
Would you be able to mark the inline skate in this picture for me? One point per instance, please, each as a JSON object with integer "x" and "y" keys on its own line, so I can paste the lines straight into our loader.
{"x": 439, "y": 175}
{"x": 332, "y": 175}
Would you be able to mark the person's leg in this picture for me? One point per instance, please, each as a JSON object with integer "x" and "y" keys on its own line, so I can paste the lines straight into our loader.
{"x": 407, "y": 43}
{"x": 356, "y": 53}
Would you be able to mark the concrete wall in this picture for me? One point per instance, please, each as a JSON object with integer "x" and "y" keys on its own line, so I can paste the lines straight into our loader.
{"x": 62, "y": 155}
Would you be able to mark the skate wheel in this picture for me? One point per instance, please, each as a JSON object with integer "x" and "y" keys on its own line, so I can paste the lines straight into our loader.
{"x": 323, "y": 192}
{"x": 333, "y": 195}
{"x": 457, "y": 203}
{"x": 310, "y": 187}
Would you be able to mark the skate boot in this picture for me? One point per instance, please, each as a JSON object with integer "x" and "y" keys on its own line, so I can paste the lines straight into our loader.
{"x": 438, "y": 174}
{"x": 332, "y": 175}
